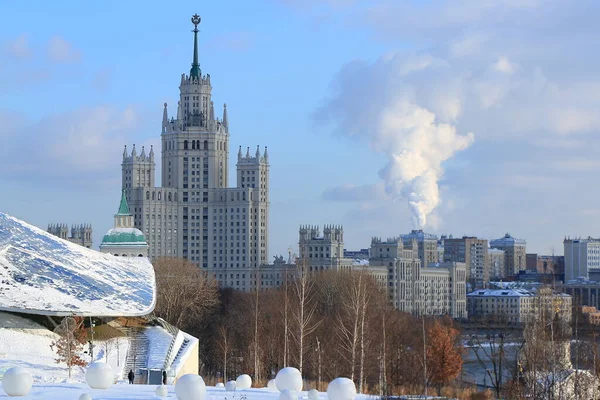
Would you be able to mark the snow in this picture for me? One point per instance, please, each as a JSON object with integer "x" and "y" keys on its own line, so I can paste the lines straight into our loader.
{"x": 135, "y": 392}
{"x": 160, "y": 341}
{"x": 23, "y": 343}
{"x": 45, "y": 275}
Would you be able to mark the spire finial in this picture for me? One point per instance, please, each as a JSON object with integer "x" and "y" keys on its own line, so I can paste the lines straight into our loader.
{"x": 195, "y": 71}
{"x": 225, "y": 119}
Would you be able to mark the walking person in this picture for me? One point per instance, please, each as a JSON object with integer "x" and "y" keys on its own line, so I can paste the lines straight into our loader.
{"x": 130, "y": 376}
{"x": 164, "y": 376}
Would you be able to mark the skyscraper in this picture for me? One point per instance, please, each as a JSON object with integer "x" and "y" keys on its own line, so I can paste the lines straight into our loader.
{"x": 194, "y": 214}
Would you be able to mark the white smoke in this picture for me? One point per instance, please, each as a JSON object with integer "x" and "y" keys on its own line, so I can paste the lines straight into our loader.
{"x": 416, "y": 146}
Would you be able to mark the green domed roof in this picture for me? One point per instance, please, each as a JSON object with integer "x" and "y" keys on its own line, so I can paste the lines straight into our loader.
{"x": 124, "y": 236}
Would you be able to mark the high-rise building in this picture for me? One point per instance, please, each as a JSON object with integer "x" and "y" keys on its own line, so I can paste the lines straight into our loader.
{"x": 123, "y": 240}
{"x": 80, "y": 234}
{"x": 496, "y": 262}
{"x": 474, "y": 253}
{"x": 427, "y": 243}
{"x": 582, "y": 259}
{"x": 194, "y": 214}
{"x": 323, "y": 252}
{"x": 438, "y": 289}
{"x": 514, "y": 253}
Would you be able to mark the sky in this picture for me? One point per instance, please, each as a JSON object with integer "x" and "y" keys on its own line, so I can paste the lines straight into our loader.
{"x": 477, "y": 117}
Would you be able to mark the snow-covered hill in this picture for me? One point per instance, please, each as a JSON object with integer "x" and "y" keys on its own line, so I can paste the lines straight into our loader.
{"x": 43, "y": 274}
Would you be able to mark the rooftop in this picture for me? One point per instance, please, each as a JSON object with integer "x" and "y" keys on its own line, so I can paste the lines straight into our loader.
{"x": 419, "y": 235}
{"x": 507, "y": 240}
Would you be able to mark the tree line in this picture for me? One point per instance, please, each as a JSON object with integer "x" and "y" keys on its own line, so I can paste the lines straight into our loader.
{"x": 326, "y": 324}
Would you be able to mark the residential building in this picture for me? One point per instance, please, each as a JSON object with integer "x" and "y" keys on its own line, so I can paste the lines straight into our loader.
{"x": 517, "y": 305}
{"x": 514, "y": 253}
{"x": 427, "y": 243}
{"x": 80, "y": 234}
{"x": 496, "y": 263}
{"x": 123, "y": 239}
{"x": 194, "y": 214}
{"x": 323, "y": 252}
{"x": 473, "y": 252}
{"x": 435, "y": 290}
{"x": 545, "y": 264}
{"x": 582, "y": 258}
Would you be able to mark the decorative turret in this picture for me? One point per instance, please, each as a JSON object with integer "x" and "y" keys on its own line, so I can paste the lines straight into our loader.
{"x": 257, "y": 152}
{"x": 195, "y": 72}
{"x": 143, "y": 153}
{"x": 266, "y": 156}
{"x": 212, "y": 111}
{"x": 240, "y": 154}
{"x": 151, "y": 153}
{"x": 225, "y": 120}
{"x": 165, "y": 120}
{"x": 125, "y": 153}
{"x": 133, "y": 152}
{"x": 248, "y": 152}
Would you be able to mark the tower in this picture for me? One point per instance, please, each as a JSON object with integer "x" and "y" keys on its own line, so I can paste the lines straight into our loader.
{"x": 194, "y": 214}
{"x": 123, "y": 239}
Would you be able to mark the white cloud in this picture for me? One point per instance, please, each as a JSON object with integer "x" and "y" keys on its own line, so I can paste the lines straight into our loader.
{"x": 18, "y": 47}
{"x": 62, "y": 51}
{"x": 505, "y": 66}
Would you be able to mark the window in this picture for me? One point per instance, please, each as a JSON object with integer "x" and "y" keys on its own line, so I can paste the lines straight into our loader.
{"x": 206, "y": 145}
{"x": 185, "y": 144}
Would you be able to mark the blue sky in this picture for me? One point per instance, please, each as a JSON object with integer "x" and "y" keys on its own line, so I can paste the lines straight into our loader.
{"x": 339, "y": 90}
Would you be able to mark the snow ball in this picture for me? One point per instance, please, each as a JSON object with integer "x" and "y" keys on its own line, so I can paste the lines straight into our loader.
{"x": 230, "y": 386}
{"x": 272, "y": 385}
{"x": 190, "y": 387}
{"x": 243, "y": 382}
{"x": 313, "y": 394}
{"x": 99, "y": 375}
{"x": 287, "y": 394}
{"x": 161, "y": 391}
{"x": 85, "y": 396}
{"x": 341, "y": 389}
{"x": 289, "y": 378}
{"x": 219, "y": 385}
{"x": 17, "y": 381}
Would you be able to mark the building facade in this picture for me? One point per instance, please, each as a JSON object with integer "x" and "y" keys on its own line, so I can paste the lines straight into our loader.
{"x": 582, "y": 258}
{"x": 323, "y": 252}
{"x": 194, "y": 214}
{"x": 80, "y": 234}
{"x": 473, "y": 252}
{"x": 514, "y": 253}
{"x": 435, "y": 290}
{"x": 496, "y": 262}
{"x": 124, "y": 239}
{"x": 517, "y": 305}
{"x": 427, "y": 243}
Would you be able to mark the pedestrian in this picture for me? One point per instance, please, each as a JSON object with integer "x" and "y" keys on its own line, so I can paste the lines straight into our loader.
{"x": 130, "y": 376}
{"x": 164, "y": 377}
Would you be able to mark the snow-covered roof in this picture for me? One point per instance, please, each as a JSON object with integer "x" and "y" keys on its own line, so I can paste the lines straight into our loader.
{"x": 43, "y": 274}
{"x": 360, "y": 262}
{"x": 501, "y": 293}
{"x": 419, "y": 235}
{"x": 507, "y": 240}
{"x": 129, "y": 237}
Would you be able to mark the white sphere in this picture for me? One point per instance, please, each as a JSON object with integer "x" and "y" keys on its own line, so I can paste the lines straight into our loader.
{"x": 271, "y": 385}
{"x": 99, "y": 375}
{"x": 219, "y": 385}
{"x": 161, "y": 391}
{"x": 190, "y": 387}
{"x": 243, "y": 382}
{"x": 85, "y": 396}
{"x": 341, "y": 389}
{"x": 230, "y": 386}
{"x": 313, "y": 394}
{"x": 289, "y": 378}
{"x": 287, "y": 394}
{"x": 17, "y": 381}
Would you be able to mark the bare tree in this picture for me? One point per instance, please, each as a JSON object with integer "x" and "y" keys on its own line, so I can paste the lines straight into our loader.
{"x": 225, "y": 347}
{"x": 185, "y": 295}
{"x": 305, "y": 309}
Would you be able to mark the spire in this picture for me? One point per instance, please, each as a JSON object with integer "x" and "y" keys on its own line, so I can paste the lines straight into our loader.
{"x": 125, "y": 153}
{"x": 225, "y": 121}
{"x": 257, "y": 152}
{"x": 248, "y": 152}
{"x": 133, "y": 152}
{"x": 165, "y": 118}
{"x": 195, "y": 71}
{"x": 123, "y": 207}
{"x": 151, "y": 152}
{"x": 179, "y": 114}
{"x": 143, "y": 154}
{"x": 212, "y": 111}
{"x": 240, "y": 153}
{"x": 266, "y": 154}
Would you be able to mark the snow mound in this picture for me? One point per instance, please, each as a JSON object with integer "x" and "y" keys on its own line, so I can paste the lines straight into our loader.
{"x": 289, "y": 378}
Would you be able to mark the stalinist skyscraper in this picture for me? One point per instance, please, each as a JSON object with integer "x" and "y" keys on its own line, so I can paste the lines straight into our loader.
{"x": 194, "y": 214}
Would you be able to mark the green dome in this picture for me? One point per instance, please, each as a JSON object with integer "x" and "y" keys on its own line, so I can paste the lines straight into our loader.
{"x": 124, "y": 236}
